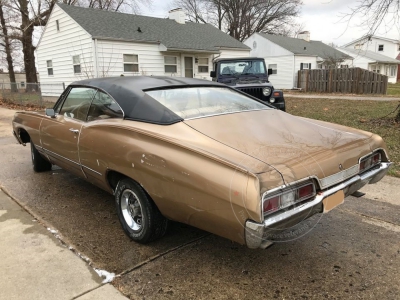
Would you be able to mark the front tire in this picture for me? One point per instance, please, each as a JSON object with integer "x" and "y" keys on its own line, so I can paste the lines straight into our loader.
{"x": 139, "y": 216}
{"x": 39, "y": 163}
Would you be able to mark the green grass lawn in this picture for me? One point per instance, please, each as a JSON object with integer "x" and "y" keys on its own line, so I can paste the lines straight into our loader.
{"x": 355, "y": 114}
{"x": 393, "y": 89}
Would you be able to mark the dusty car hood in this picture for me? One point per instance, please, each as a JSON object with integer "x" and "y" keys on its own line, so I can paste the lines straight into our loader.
{"x": 296, "y": 147}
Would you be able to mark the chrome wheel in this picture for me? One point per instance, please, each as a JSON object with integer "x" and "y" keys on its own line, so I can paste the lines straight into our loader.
{"x": 131, "y": 210}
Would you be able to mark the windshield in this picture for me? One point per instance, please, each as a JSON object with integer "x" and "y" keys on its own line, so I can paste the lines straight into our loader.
{"x": 245, "y": 67}
{"x": 189, "y": 103}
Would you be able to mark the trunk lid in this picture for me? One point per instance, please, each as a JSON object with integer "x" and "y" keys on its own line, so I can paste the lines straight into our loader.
{"x": 297, "y": 147}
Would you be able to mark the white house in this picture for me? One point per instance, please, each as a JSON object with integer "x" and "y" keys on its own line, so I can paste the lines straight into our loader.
{"x": 79, "y": 43}
{"x": 381, "y": 45}
{"x": 387, "y": 50}
{"x": 286, "y": 56}
{"x": 375, "y": 62}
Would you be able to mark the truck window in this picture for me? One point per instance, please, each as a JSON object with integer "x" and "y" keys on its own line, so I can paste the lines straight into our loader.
{"x": 244, "y": 67}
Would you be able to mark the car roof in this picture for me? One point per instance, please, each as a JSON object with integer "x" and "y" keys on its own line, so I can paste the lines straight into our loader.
{"x": 129, "y": 93}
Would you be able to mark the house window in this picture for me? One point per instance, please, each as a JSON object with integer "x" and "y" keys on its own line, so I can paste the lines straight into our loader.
{"x": 380, "y": 47}
{"x": 170, "y": 64}
{"x": 203, "y": 65}
{"x": 393, "y": 71}
{"x": 50, "y": 67}
{"x": 76, "y": 61}
{"x": 305, "y": 66}
{"x": 344, "y": 66}
{"x": 22, "y": 84}
{"x": 399, "y": 47}
{"x": 274, "y": 68}
{"x": 131, "y": 63}
{"x": 58, "y": 25}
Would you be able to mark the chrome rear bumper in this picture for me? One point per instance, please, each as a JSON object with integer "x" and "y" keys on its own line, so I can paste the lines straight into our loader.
{"x": 256, "y": 233}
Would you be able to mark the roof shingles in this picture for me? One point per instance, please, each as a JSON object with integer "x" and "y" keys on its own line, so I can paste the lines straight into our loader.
{"x": 302, "y": 47}
{"x": 114, "y": 25}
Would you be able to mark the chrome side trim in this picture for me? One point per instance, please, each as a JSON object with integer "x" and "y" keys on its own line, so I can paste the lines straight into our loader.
{"x": 98, "y": 173}
{"x": 62, "y": 157}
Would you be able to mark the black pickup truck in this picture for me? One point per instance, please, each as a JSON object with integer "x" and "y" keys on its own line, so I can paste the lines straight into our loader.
{"x": 249, "y": 75}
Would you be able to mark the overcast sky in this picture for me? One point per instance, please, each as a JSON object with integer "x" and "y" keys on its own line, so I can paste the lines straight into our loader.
{"x": 321, "y": 17}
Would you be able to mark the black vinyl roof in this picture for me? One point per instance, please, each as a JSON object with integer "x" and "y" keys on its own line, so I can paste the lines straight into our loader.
{"x": 137, "y": 105}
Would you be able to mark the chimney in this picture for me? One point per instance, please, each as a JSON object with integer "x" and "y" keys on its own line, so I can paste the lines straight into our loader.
{"x": 178, "y": 15}
{"x": 304, "y": 35}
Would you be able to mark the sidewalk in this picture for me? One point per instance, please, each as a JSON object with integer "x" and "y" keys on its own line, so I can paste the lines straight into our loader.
{"x": 344, "y": 97}
{"x": 35, "y": 265}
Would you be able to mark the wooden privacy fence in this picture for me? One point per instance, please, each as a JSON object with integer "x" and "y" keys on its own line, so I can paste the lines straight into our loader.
{"x": 349, "y": 80}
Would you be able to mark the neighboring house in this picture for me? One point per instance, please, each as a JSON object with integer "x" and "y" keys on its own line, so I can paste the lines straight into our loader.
{"x": 20, "y": 80}
{"x": 375, "y": 62}
{"x": 286, "y": 56}
{"x": 79, "y": 43}
{"x": 380, "y": 45}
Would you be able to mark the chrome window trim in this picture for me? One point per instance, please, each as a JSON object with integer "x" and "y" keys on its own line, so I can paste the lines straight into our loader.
{"x": 226, "y": 113}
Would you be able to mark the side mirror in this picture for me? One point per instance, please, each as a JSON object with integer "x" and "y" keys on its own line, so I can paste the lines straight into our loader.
{"x": 269, "y": 71}
{"x": 50, "y": 112}
{"x": 213, "y": 74}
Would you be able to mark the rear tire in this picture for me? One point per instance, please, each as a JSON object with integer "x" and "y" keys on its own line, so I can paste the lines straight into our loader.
{"x": 139, "y": 216}
{"x": 39, "y": 163}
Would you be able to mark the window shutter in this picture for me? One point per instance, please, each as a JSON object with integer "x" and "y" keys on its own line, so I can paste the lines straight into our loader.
{"x": 301, "y": 66}
{"x": 309, "y": 66}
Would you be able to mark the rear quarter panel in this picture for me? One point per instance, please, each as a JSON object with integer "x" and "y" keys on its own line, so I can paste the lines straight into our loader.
{"x": 186, "y": 185}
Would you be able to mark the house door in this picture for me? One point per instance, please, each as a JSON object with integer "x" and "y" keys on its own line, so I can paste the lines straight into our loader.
{"x": 189, "y": 66}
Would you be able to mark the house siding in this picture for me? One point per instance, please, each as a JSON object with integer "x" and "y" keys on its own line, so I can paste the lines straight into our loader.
{"x": 368, "y": 64}
{"x": 274, "y": 54}
{"x": 59, "y": 47}
{"x": 284, "y": 77}
{"x": 390, "y": 49}
{"x": 298, "y": 60}
{"x": 230, "y": 53}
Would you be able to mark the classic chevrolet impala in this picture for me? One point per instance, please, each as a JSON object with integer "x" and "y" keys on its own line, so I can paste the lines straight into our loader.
{"x": 200, "y": 153}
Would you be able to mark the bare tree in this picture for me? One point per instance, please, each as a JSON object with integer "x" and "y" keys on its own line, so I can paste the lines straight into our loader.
{"x": 6, "y": 44}
{"x": 242, "y": 18}
{"x": 34, "y": 13}
{"x": 374, "y": 14}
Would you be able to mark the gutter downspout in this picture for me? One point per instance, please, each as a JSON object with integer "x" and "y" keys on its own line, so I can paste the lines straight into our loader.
{"x": 96, "y": 68}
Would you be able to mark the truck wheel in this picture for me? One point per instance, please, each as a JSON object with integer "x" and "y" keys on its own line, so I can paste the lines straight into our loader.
{"x": 39, "y": 163}
{"x": 139, "y": 216}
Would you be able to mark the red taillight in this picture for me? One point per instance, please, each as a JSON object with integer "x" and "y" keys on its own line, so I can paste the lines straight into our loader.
{"x": 376, "y": 158}
{"x": 271, "y": 204}
{"x": 362, "y": 165}
{"x": 306, "y": 191}
{"x": 370, "y": 161}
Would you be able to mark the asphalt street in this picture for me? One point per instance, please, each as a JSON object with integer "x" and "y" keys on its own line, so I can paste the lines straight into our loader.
{"x": 353, "y": 252}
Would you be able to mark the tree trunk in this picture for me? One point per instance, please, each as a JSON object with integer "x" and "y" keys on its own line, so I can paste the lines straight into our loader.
{"x": 7, "y": 46}
{"x": 27, "y": 48}
{"x": 397, "y": 118}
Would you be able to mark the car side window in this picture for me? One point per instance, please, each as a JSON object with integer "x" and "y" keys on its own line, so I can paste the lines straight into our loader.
{"x": 77, "y": 103}
{"x": 104, "y": 107}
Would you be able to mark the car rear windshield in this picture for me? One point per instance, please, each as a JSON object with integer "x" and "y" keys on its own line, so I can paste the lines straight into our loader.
{"x": 196, "y": 102}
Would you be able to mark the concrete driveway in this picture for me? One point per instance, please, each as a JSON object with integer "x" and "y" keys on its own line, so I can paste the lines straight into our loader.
{"x": 352, "y": 252}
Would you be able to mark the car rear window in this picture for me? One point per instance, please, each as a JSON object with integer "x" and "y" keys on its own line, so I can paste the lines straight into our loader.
{"x": 197, "y": 102}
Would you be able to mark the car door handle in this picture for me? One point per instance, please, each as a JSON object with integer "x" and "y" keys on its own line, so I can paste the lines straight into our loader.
{"x": 76, "y": 131}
